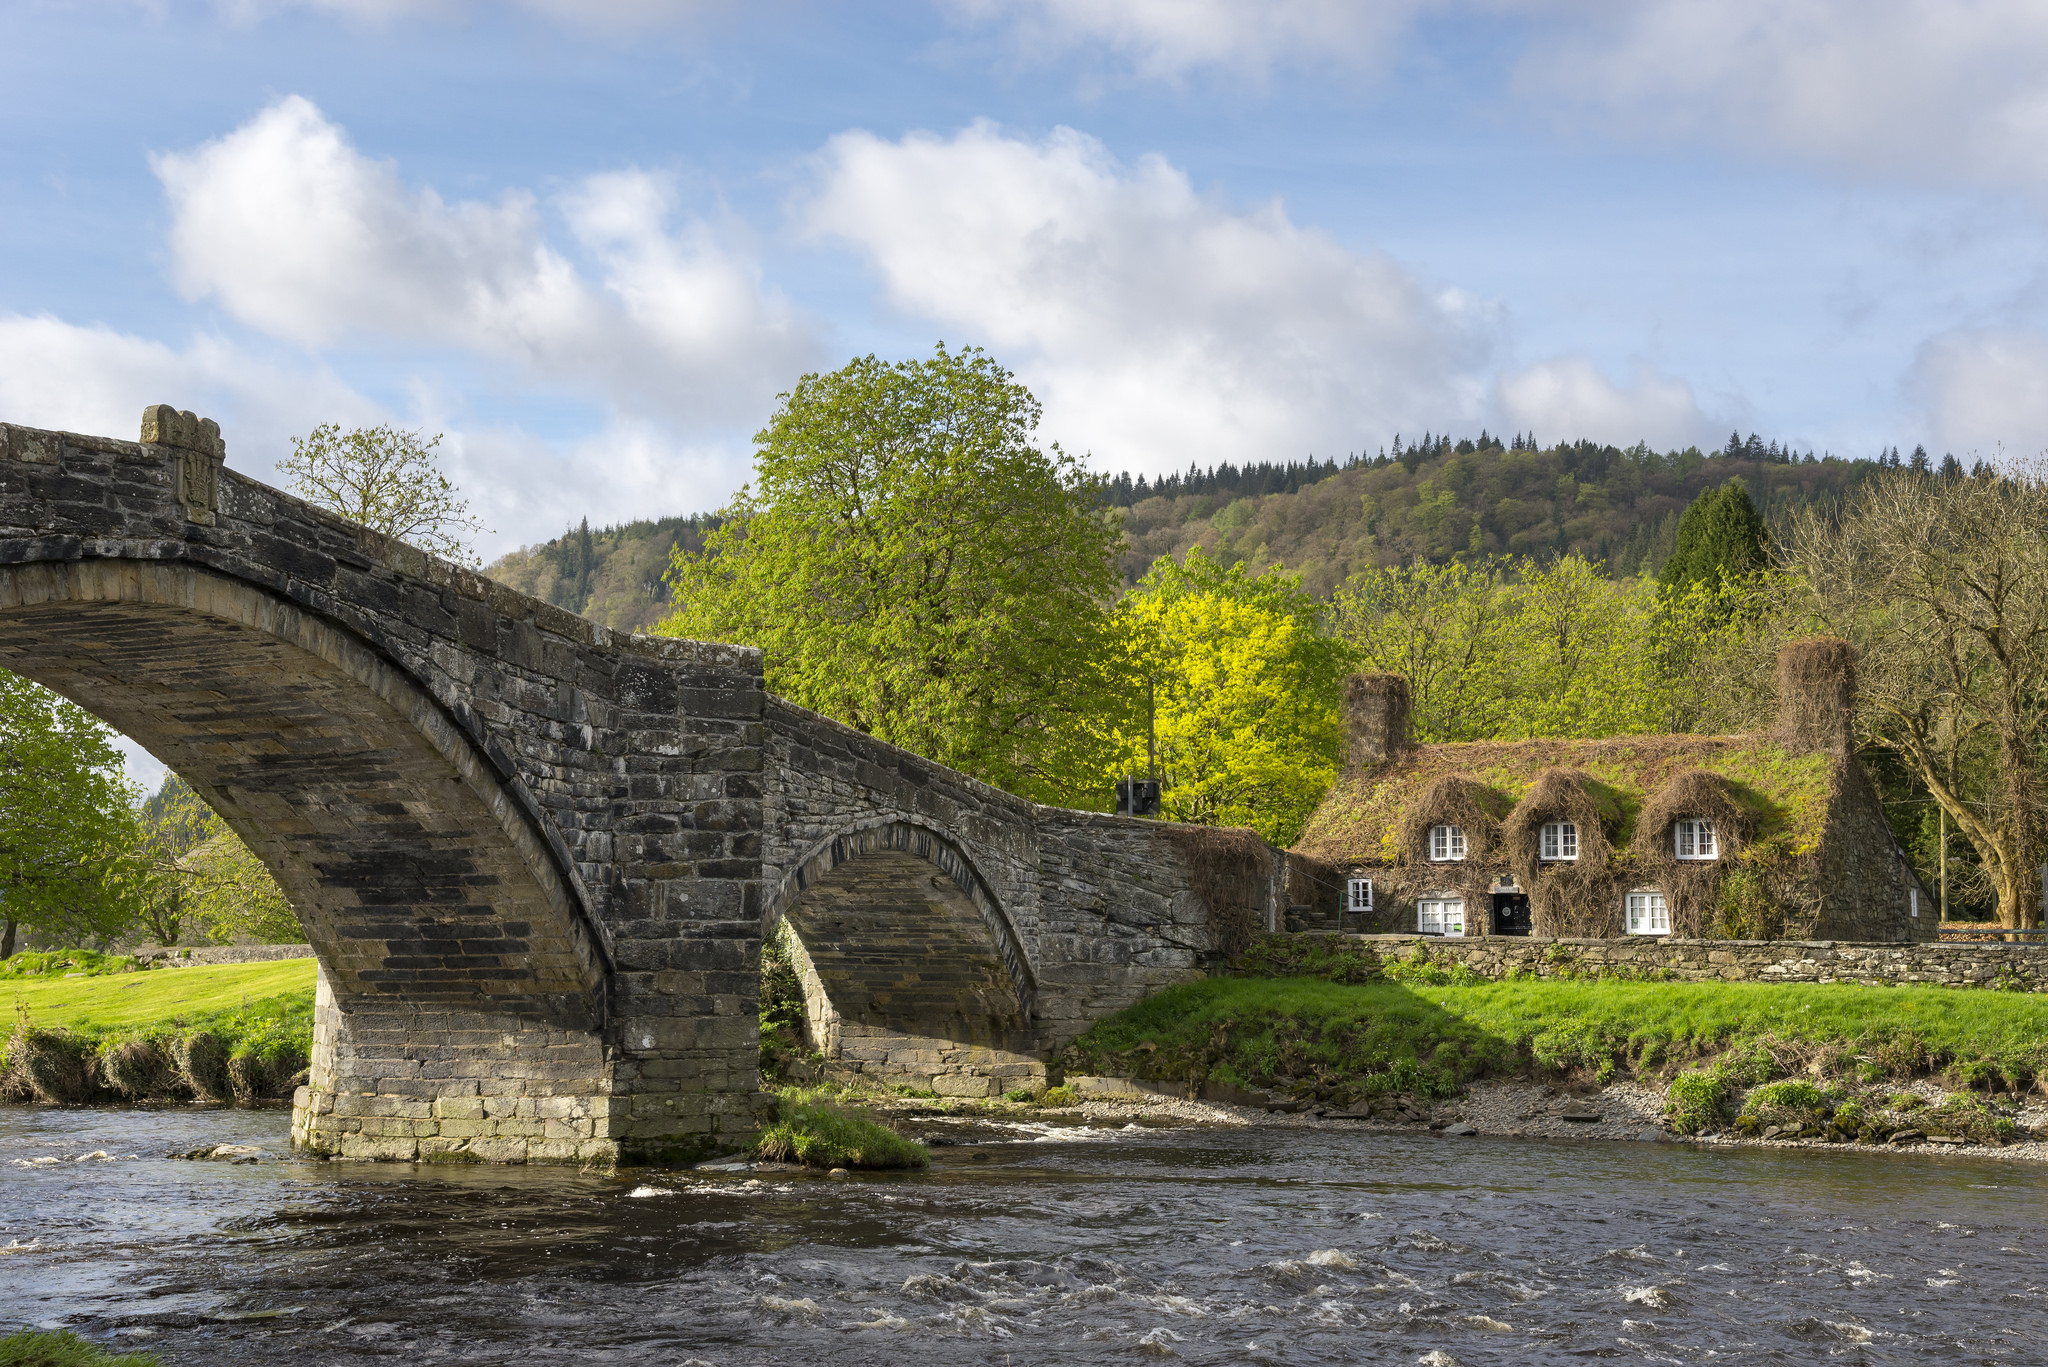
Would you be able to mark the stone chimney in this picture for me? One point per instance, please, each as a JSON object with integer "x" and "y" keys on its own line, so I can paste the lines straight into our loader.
{"x": 1375, "y": 720}
{"x": 1817, "y": 695}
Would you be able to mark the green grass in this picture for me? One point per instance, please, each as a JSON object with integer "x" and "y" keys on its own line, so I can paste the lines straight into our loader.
{"x": 126, "y": 1003}
{"x": 1336, "y": 1041}
{"x": 36, "y": 1348}
{"x": 821, "y": 1136}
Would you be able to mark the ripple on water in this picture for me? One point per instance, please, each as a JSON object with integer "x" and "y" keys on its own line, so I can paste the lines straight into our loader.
{"x": 1250, "y": 1246}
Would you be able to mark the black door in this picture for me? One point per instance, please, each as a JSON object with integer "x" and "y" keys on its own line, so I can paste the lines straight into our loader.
{"x": 1511, "y": 913}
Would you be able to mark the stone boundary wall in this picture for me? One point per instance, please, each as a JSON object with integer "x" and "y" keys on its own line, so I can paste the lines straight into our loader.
{"x": 193, "y": 956}
{"x": 2013, "y": 967}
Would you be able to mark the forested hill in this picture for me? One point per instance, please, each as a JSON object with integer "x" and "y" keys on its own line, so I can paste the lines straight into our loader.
{"x": 1435, "y": 499}
{"x": 613, "y": 575}
{"x": 1438, "y": 501}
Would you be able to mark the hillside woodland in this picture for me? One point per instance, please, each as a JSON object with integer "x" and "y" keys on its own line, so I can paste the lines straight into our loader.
{"x": 614, "y": 575}
{"x": 1436, "y": 500}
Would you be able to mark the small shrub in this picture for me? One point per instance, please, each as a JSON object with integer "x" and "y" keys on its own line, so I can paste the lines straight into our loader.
{"x": 1021, "y": 1094}
{"x": 202, "y": 1058}
{"x": 1059, "y": 1096}
{"x": 1906, "y": 1101}
{"x": 827, "y": 1137}
{"x": 37, "y": 1348}
{"x": 1968, "y": 1118}
{"x": 1696, "y": 1101}
{"x": 141, "y": 1069}
{"x": 54, "y": 1067}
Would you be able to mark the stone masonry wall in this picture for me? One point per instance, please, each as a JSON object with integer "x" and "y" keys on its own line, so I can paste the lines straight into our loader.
{"x": 2016, "y": 967}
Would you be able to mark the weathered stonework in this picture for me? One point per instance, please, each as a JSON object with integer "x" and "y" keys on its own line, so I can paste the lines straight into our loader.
{"x": 2010, "y": 967}
{"x": 536, "y": 860}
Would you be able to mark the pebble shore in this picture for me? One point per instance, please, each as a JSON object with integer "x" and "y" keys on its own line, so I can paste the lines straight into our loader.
{"x": 1626, "y": 1111}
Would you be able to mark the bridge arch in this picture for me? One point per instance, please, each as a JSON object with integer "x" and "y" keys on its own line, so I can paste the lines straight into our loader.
{"x": 912, "y": 969}
{"x": 438, "y": 910}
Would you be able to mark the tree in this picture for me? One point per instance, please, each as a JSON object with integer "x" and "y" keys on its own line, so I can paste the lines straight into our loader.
{"x": 1512, "y": 649}
{"x": 387, "y": 479}
{"x": 1720, "y": 534}
{"x": 66, "y": 813}
{"x": 1942, "y": 585}
{"x": 1246, "y": 684}
{"x": 1442, "y": 627}
{"x": 188, "y": 868}
{"x": 911, "y": 563}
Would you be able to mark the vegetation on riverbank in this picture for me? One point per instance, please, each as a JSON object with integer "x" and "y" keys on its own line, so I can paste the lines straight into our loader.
{"x": 61, "y": 1348}
{"x": 1339, "y": 1042}
{"x": 818, "y": 1135}
{"x": 226, "y": 1033}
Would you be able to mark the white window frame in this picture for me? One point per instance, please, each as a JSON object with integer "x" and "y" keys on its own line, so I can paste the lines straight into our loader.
{"x": 1694, "y": 839}
{"x": 1441, "y": 913}
{"x": 1358, "y": 895}
{"x": 1646, "y": 911}
{"x": 1446, "y": 844}
{"x": 1558, "y": 842}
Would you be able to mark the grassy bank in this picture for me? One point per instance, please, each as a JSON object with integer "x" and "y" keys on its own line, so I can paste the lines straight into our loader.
{"x": 811, "y": 1131}
{"x": 43, "y": 1348}
{"x": 1334, "y": 1041}
{"x": 88, "y": 1029}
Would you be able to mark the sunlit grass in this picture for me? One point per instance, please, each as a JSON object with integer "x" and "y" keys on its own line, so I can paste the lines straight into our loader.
{"x": 125, "y": 1003}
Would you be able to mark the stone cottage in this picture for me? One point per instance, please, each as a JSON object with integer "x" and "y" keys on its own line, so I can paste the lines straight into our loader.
{"x": 1775, "y": 835}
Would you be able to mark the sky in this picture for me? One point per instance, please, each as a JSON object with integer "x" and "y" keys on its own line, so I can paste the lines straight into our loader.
{"x": 589, "y": 241}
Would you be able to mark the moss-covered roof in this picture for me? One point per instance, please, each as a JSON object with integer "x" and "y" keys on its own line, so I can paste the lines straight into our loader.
{"x": 1788, "y": 792}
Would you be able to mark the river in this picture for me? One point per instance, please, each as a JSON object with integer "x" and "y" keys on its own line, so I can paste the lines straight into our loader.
{"x": 1027, "y": 1245}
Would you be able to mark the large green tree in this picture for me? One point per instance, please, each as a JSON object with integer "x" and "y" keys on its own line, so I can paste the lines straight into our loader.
{"x": 1720, "y": 535}
{"x": 911, "y": 562}
{"x": 66, "y": 816}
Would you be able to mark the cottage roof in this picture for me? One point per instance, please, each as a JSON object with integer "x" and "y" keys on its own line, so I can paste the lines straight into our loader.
{"x": 1785, "y": 791}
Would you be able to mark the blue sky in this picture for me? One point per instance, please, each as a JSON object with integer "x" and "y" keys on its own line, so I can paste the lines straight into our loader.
{"x": 591, "y": 241}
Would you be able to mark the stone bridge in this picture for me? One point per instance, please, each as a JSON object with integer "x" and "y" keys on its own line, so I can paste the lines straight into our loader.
{"x": 537, "y": 859}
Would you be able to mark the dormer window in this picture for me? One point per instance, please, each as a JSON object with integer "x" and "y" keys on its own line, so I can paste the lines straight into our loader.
{"x": 1446, "y": 844}
{"x": 1559, "y": 840}
{"x": 1692, "y": 837}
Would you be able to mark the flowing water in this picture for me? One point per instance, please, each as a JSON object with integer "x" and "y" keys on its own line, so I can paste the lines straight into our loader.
{"x": 1027, "y": 1245}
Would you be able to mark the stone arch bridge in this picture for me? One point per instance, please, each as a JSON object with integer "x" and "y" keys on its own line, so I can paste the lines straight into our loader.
{"x": 538, "y": 859}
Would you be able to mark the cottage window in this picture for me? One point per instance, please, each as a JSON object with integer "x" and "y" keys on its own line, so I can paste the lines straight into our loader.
{"x": 1441, "y": 915}
{"x": 1692, "y": 837}
{"x": 1359, "y": 897}
{"x": 1560, "y": 840}
{"x": 1446, "y": 843}
{"x": 1648, "y": 914}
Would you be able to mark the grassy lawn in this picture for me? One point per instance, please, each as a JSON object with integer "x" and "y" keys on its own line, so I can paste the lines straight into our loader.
{"x": 1329, "y": 1038}
{"x": 123, "y": 1003}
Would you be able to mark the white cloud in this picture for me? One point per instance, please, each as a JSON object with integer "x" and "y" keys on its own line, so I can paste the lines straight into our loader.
{"x": 1984, "y": 389}
{"x": 1924, "y": 88}
{"x": 298, "y": 234}
{"x": 1157, "y": 326}
{"x": 1168, "y": 39}
{"x": 94, "y": 379}
{"x": 1569, "y": 398}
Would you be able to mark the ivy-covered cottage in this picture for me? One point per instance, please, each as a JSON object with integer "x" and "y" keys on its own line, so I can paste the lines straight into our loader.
{"x": 1774, "y": 835}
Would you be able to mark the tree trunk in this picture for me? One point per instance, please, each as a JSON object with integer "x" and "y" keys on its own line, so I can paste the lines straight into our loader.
{"x": 7, "y": 940}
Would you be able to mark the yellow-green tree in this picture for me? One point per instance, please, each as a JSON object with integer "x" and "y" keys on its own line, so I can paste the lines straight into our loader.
{"x": 1245, "y": 685}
